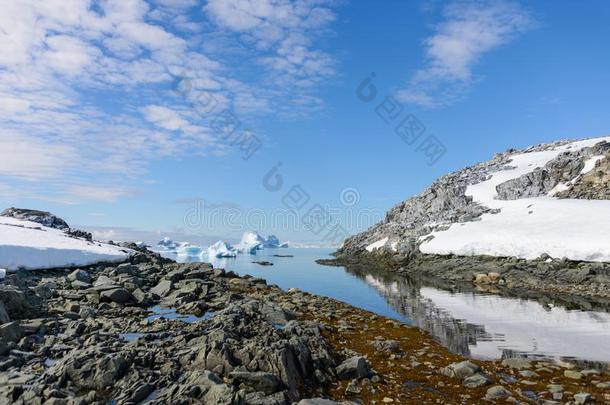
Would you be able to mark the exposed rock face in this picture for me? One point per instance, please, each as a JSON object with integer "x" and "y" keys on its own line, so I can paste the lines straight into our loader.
{"x": 41, "y": 217}
{"x": 445, "y": 202}
{"x": 46, "y": 219}
{"x": 566, "y": 169}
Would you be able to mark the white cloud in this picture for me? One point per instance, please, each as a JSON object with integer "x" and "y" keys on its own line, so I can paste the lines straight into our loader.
{"x": 84, "y": 86}
{"x": 469, "y": 30}
{"x": 284, "y": 34}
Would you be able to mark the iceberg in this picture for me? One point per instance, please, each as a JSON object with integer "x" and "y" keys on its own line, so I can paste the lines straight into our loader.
{"x": 221, "y": 249}
{"x": 167, "y": 244}
{"x": 272, "y": 242}
{"x": 186, "y": 249}
{"x": 250, "y": 243}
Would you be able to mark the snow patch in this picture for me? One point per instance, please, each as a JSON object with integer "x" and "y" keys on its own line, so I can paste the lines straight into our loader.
{"x": 529, "y": 227}
{"x": 29, "y": 245}
{"x": 377, "y": 245}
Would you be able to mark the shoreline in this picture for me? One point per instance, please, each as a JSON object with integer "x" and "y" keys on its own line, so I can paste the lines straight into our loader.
{"x": 577, "y": 285}
{"x": 88, "y": 336}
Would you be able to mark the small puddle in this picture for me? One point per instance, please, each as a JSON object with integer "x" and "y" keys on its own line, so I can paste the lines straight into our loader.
{"x": 159, "y": 312}
{"x": 130, "y": 337}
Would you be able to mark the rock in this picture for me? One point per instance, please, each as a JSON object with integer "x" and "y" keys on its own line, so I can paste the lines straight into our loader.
{"x": 461, "y": 370}
{"x": 118, "y": 295}
{"x": 497, "y": 392}
{"x": 11, "y": 332}
{"x": 317, "y": 401}
{"x": 582, "y": 398}
{"x": 390, "y": 346}
{"x": 476, "y": 380}
{"x": 90, "y": 370}
{"x": 482, "y": 278}
{"x": 80, "y": 275}
{"x": 355, "y": 367}
{"x": 4, "y": 317}
{"x": 260, "y": 381}
{"x": 517, "y": 363}
{"x": 163, "y": 288}
{"x": 575, "y": 375}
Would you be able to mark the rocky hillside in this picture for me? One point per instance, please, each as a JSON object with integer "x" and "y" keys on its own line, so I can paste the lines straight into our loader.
{"x": 548, "y": 200}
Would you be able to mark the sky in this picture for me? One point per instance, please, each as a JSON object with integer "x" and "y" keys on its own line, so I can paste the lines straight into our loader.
{"x": 307, "y": 119}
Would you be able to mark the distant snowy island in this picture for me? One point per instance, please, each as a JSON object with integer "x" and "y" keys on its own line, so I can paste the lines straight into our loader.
{"x": 250, "y": 243}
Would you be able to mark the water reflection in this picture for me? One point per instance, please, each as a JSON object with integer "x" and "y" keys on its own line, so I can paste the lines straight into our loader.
{"x": 469, "y": 322}
{"x": 484, "y": 325}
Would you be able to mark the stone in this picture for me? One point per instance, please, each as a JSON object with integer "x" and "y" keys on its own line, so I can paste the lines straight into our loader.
{"x": 163, "y": 288}
{"x": 575, "y": 375}
{"x": 80, "y": 275}
{"x": 460, "y": 370}
{"x": 260, "y": 381}
{"x": 476, "y": 380}
{"x": 317, "y": 401}
{"x": 390, "y": 346}
{"x": 4, "y": 317}
{"x": 118, "y": 295}
{"x": 354, "y": 367}
{"x": 11, "y": 332}
{"x": 497, "y": 392}
{"x": 582, "y": 398}
{"x": 482, "y": 278}
{"x": 517, "y": 363}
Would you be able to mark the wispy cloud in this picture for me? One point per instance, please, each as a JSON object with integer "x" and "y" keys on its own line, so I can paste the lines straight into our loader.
{"x": 85, "y": 85}
{"x": 468, "y": 31}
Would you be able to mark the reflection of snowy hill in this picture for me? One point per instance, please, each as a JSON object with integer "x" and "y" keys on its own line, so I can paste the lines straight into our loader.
{"x": 490, "y": 326}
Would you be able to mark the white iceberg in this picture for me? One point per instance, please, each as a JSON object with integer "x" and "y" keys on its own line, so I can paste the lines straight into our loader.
{"x": 250, "y": 243}
{"x": 186, "y": 249}
{"x": 221, "y": 249}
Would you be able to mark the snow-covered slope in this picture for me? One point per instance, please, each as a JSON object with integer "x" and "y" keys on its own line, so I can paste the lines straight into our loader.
{"x": 30, "y": 245}
{"x": 550, "y": 199}
{"x": 530, "y": 227}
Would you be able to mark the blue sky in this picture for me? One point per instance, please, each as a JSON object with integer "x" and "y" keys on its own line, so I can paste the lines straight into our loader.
{"x": 104, "y": 118}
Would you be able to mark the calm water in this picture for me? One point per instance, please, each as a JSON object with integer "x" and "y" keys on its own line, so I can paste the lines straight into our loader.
{"x": 467, "y": 322}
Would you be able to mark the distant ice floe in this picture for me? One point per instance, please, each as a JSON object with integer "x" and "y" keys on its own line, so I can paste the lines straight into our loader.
{"x": 250, "y": 243}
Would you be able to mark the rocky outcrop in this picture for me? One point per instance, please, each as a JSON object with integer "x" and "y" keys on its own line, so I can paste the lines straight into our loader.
{"x": 40, "y": 217}
{"x": 445, "y": 202}
{"x": 565, "y": 170}
{"x": 46, "y": 219}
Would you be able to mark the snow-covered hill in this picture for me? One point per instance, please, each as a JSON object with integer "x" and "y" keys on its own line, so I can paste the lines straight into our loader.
{"x": 30, "y": 245}
{"x": 550, "y": 199}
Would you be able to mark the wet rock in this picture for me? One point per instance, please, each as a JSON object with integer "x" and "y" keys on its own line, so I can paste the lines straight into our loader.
{"x": 4, "y": 317}
{"x": 355, "y": 367}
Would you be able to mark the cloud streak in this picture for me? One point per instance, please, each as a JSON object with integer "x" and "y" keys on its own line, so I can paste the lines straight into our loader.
{"x": 468, "y": 31}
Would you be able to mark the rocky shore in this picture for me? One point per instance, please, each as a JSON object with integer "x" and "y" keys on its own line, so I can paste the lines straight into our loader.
{"x": 157, "y": 332}
{"x": 578, "y": 285}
